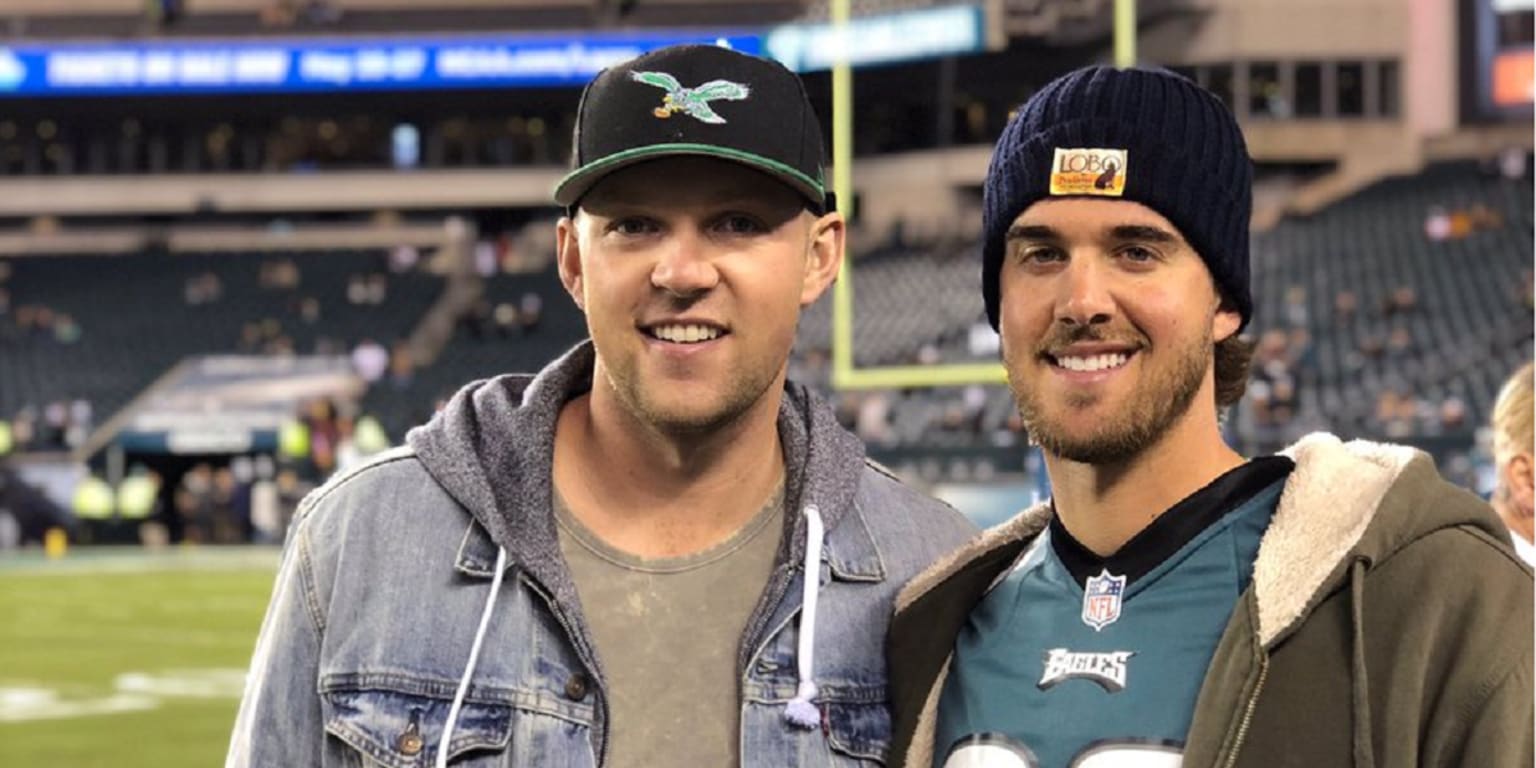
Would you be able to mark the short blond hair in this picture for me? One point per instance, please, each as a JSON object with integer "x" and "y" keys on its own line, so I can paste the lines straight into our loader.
{"x": 1512, "y": 417}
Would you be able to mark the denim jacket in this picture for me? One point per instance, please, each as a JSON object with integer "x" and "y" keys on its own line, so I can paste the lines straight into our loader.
{"x": 388, "y": 619}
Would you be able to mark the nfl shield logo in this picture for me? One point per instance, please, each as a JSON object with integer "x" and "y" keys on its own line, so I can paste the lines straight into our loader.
{"x": 1101, "y": 600}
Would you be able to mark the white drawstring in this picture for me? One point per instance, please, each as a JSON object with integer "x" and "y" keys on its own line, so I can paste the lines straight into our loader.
{"x": 801, "y": 710}
{"x": 474, "y": 658}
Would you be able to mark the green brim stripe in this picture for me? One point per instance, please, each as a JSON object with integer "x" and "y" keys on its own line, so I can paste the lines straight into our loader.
{"x": 710, "y": 150}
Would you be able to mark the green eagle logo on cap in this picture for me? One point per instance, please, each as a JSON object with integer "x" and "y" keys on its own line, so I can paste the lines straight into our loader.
{"x": 693, "y": 102}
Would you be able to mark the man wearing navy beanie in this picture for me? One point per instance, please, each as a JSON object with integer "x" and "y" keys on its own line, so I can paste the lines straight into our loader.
{"x": 1175, "y": 603}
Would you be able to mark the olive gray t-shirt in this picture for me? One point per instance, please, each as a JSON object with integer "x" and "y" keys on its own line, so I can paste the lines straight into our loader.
{"x": 667, "y": 631}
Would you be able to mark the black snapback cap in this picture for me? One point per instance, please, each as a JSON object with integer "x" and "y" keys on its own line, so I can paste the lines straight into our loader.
{"x": 701, "y": 101}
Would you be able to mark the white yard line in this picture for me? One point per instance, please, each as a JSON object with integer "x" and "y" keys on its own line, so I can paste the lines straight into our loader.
{"x": 22, "y": 701}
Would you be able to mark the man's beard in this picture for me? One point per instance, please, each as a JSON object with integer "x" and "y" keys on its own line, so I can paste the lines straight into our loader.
{"x": 1152, "y": 408}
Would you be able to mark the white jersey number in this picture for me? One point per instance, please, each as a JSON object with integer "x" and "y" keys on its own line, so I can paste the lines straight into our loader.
{"x": 996, "y": 750}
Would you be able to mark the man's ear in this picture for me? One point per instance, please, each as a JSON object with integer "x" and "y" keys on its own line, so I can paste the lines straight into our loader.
{"x": 1520, "y": 478}
{"x": 1226, "y": 322}
{"x": 568, "y": 258}
{"x": 824, "y": 257}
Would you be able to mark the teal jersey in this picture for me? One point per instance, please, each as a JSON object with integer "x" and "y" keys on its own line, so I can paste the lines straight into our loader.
{"x": 1072, "y": 661}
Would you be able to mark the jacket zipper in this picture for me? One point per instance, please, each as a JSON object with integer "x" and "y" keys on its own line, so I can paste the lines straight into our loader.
{"x": 1253, "y": 701}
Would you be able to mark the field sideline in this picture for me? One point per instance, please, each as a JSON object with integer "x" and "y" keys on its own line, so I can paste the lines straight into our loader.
{"x": 122, "y": 658}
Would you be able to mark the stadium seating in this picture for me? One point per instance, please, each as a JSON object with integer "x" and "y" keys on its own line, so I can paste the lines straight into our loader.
{"x": 138, "y": 315}
{"x": 479, "y": 350}
{"x": 1468, "y": 326}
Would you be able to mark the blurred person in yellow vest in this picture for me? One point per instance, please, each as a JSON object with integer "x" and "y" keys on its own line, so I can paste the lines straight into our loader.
{"x": 93, "y": 505}
{"x": 293, "y": 443}
{"x": 1514, "y": 447}
{"x": 360, "y": 440}
{"x": 138, "y": 494}
{"x": 369, "y": 436}
{"x": 7, "y": 441}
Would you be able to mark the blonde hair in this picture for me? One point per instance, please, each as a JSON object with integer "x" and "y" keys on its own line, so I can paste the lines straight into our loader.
{"x": 1512, "y": 417}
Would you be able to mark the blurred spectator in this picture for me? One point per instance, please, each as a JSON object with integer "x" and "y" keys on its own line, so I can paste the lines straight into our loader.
{"x": 370, "y": 436}
{"x": 196, "y": 505}
{"x": 138, "y": 499}
{"x": 1513, "y": 163}
{"x": 321, "y": 13}
{"x": 309, "y": 310}
{"x": 1299, "y": 346}
{"x": 1372, "y": 346}
{"x": 402, "y": 366}
{"x": 1345, "y": 304}
{"x": 367, "y": 290}
{"x": 163, "y": 13}
{"x": 1437, "y": 224}
{"x": 24, "y": 429}
{"x": 330, "y": 346}
{"x": 266, "y": 507}
{"x": 478, "y": 319}
{"x": 324, "y": 435}
{"x": 1399, "y": 342}
{"x": 293, "y": 444}
{"x": 403, "y": 258}
{"x": 280, "y": 274}
{"x": 872, "y": 423}
{"x": 1514, "y": 450}
{"x": 291, "y": 490}
{"x": 530, "y": 310}
{"x": 1401, "y": 301}
{"x": 484, "y": 254}
{"x": 250, "y": 338}
{"x": 201, "y": 289}
{"x": 279, "y": 14}
{"x": 1484, "y": 218}
{"x": 505, "y": 319}
{"x": 94, "y": 506}
{"x": 1453, "y": 416}
{"x": 56, "y": 424}
{"x": 1296, "y": 306}
{"x": 66, "y": 330}
{"x": 376, "y": 289}
{"x": 370, "y": 360}
{"x": 228, "y": 502}
{"x": 81, "y": 423}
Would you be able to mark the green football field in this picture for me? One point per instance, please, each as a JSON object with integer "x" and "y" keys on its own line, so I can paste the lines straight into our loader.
{"x": 123, "y": 658}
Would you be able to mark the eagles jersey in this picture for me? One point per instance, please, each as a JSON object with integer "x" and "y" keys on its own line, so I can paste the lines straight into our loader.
{"x": 1075, "y": 661}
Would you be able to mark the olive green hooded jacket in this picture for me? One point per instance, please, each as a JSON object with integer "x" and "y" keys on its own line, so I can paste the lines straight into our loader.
{"x": 1388, "y": 623}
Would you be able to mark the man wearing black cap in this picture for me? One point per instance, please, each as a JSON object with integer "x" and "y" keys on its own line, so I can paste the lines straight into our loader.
{"x": 655, "y": 552}
{"x": 1174, "y": 603}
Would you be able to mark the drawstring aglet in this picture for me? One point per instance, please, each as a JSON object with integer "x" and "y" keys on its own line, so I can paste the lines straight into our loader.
{"x": 801, "y": 710}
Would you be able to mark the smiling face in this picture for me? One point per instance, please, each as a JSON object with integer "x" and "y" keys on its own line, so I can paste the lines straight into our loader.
{"x": 1108, "y": 324}
{"x": 692, "y": 273}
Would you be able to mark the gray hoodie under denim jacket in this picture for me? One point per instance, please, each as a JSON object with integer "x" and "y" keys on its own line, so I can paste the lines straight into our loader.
{"x": 391, "y": 622}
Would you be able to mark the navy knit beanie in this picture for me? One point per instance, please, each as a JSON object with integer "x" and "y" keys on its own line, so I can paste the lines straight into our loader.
{"x": 1147, "y": 136}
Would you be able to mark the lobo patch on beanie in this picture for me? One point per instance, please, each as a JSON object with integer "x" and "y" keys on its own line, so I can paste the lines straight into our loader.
{"x": 1088, "y": 172}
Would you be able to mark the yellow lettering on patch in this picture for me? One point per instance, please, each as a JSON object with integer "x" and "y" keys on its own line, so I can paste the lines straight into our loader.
{"x": 1088, "y": 172}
